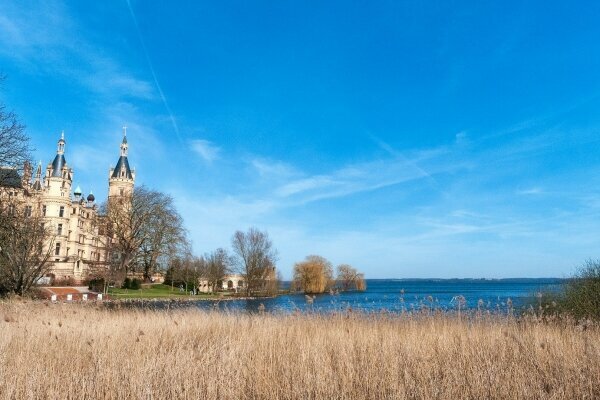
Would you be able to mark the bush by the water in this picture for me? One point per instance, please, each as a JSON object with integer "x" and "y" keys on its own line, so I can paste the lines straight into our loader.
{"x": 581, "y": 297}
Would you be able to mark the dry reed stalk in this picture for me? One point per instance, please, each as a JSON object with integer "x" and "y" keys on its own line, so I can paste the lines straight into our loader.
{"x": 84, "y": 351}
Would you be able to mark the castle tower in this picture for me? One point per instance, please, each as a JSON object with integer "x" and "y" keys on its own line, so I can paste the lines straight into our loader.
{"x": 56, "y": 201}
{"x": 59, "y": 176}
{"x": 121, "y": 178}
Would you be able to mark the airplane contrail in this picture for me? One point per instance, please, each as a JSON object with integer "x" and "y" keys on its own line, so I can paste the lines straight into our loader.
{"x": 160, "y": 92}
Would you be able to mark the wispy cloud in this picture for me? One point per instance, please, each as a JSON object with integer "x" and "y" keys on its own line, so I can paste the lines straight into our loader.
{"x": 151, "y": 66}
{"x": 268, "y": 168}
{"x": 207, "y": 150}
{"x": 530, "y": 191}
{"x": 44, "y": 39}
{"x": 361, "y": 177}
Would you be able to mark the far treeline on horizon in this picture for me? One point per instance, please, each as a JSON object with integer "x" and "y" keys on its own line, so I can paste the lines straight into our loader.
{"x": 322, "y": 145}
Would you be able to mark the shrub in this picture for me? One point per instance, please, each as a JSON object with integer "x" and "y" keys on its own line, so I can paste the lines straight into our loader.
{"x": 96, "y": 284}
{"x": 581, "y": 297}
{"x": 126, "y": 283}
{"x": 135, "y": 284}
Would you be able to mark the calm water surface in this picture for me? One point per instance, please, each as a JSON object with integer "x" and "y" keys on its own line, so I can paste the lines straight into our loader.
{"x": 396, "y": 296}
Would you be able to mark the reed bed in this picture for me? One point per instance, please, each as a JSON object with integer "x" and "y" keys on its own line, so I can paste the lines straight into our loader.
{"x": 77, "y": 351}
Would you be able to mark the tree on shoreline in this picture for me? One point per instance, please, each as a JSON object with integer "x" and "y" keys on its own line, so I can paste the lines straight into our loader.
{"x": 215, "y": 267}
{"x": 255, "y": 258}
{"x": 314, "y": 275}
{"x": 349, "y": 278}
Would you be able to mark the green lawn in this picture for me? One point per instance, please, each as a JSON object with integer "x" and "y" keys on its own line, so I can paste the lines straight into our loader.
{"x": 157, "y": 291}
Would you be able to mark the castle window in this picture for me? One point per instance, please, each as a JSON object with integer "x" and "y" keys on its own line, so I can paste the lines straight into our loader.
{"x": 28, "y": 211}
{"x": 73, "y": 210}
{"x": 44, "y": 211}
{"x": 68, "y": 248}
{"x": 59, "y": 230}
{"x": 57, "y": 250}
{"x": 121, "y": 191}
{"x": 61, "y": 211}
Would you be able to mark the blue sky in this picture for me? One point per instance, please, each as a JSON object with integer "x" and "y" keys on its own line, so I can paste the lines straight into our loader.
{"x": 410, "y": 139}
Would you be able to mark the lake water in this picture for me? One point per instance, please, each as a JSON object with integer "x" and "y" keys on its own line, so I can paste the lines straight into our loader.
{"x": 396, "y": 295}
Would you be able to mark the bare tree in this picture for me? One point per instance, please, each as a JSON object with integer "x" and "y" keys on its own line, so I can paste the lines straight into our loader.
{"x": 255, "y": 258}
{"x": 144, "y": 227}
{"x": 217, "y": 265}
{"x": 184, "y": 271}
{"x": 14, "y": 144}
{"x": 164, "y": 233}
{"x": 25, "y": 248}
{"x": 313, "y": 275}
{"x": 349, "y": 278}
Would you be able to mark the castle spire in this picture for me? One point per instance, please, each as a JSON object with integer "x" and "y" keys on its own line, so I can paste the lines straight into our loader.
{"x": 124, "y": 143}
{"x": 59, "y": 161}
{"x": 121, "y": 177}
{"x": 61, "y": 144}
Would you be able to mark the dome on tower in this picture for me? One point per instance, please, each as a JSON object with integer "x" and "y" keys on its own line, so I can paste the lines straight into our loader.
{"x": 91, "y": 197}
{"x": 77, "y": 191}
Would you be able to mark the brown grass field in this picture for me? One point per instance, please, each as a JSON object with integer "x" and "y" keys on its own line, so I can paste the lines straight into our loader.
{"x": 75, "y": 351}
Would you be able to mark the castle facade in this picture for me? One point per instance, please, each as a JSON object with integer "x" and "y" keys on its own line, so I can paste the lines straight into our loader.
{"x": 80, "y": 245}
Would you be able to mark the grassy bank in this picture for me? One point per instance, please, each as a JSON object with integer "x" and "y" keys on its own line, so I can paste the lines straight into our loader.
{"x": 86, "y": 351}
{"x": 159, "y": 291}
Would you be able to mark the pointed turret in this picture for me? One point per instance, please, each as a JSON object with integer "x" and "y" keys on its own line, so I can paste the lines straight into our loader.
{"x": 59, "y": 161}
{"x": 121, "y": 177}
{"x": 122, "y": 169}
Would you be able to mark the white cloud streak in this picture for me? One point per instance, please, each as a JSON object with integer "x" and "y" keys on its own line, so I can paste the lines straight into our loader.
{"x": 44, "y": 39}
{"x": 206, "y": 150}
{"x": 158, "y": 87}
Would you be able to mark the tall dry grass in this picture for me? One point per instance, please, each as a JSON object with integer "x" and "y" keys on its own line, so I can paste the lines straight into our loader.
{"x": 86, "y": 351}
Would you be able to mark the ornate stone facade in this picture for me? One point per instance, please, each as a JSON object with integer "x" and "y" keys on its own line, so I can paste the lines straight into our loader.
{"x": 80, "y": 246}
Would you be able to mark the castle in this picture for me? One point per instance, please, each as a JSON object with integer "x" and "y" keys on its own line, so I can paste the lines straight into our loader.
{"x": 80, "y": 244}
